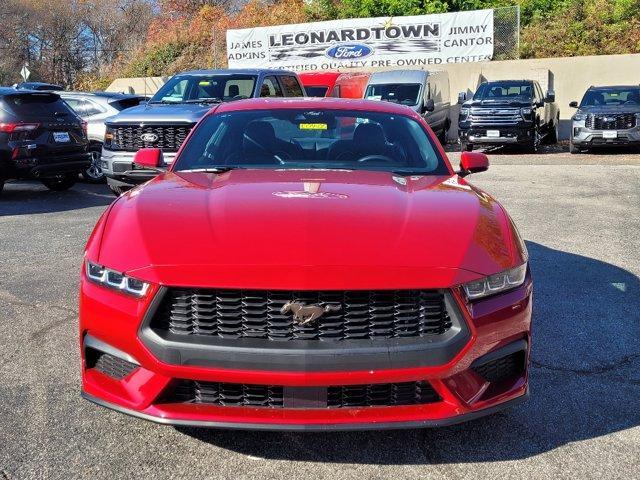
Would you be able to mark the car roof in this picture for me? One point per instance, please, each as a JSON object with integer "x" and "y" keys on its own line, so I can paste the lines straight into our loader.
{"x": 14, "y": 91}
{"x": 325, "y": 103}
{"x": 515, "y": 80}
{"x": 105, "y": 95}
{"x": 319, "y": 76}
{"x": 399, "y": 76}
{"x": 608, "y": 87}
{"x": 236, "y": 71}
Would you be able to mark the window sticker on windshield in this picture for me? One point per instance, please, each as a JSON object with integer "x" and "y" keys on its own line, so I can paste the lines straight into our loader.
{"x": 374, "y": 97}
{"x": 313, "y": 126}
{"x": 204, "y": 83}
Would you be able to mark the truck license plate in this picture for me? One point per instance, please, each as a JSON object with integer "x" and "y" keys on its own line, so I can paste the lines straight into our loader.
{"x": 61, "y": 137}
{"x": 493, "y": 133}
{"x": 609, "y": 134}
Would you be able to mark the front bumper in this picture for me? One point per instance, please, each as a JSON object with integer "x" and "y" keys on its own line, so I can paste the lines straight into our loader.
{"x": 119, "y": 166}
{"x": 585, "y": 137}
{"x": 508, "y": 134}
{"x": 494, "y": 325}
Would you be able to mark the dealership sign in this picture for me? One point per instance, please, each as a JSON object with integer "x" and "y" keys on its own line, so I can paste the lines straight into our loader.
{"x": 413, "y": 41}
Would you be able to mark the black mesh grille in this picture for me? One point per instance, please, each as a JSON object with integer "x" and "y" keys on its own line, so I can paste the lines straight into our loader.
{"x": 256, "y": 314}
{"x": 169, "y": 137}
{"x": 272, "y": 396}
{"x": 616, "y": 121}
{"x": 504, "y": 368}
{"x": 385, "y": 394}
{"x": 108, "y": 364}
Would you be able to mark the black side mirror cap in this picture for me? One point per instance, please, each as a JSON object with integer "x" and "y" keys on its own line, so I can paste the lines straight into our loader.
{"x": 551, "y": 96}
{"x": 429, "y": 106}
{"x": 573, "y": 104}
{"x": 462, "y": 97}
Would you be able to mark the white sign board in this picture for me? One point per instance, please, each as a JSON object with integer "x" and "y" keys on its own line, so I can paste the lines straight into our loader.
{"x": 402, "y": 42}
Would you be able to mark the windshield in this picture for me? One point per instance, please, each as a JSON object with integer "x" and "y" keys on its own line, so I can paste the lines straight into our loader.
{"x": 316, "y": 91}
{"x": 504, "y": 91}
{"x": 402, "y": 93}
{"x": 611, "y": 96}
{"x": 314, "y": 139}
{"x": 194, "y": 88}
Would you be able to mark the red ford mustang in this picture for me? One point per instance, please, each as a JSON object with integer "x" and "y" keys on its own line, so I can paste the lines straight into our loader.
{"x": 306, "y": 265}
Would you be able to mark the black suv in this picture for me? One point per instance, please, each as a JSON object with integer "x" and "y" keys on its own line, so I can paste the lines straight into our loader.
{"x": 508, "y": 112}
{"x": 606, "y": 116}
{"x": 40, "y": 138}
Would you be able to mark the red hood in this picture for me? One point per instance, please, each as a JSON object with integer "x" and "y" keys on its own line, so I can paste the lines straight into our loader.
{"x": 307, "y": 230}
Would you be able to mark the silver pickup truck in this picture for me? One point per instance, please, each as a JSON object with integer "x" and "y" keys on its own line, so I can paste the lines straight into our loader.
{"x": 168, "y": 117}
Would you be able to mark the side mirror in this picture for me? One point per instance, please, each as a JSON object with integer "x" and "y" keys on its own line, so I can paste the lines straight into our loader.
{"x": 573, "y": 104}
{"x": 150, "y": 158}
{"x": 551, "y": 96}
{"x": 462, "y": 97}
{"x": 473, "y": 162}
{"x": 429, "y": 106}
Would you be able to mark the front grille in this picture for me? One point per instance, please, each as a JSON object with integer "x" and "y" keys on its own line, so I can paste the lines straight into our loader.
{"x": 128, "y": 137}
{"x": 359, "y": 315}
{"x": 510, "y": 366}
{"x": 108, "y": 364}
{"x": 495, "y": 116}
{"x": 385, "y": 394}
{"x": 617, "y": 121}
{"x": 278, "y": 396}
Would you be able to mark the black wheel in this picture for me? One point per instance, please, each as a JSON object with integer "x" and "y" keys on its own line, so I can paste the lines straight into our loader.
{"x": 573, "y": 148}
{"x": 552, "y": 136}
{"x": 442, "y": 137}
{"x": 94, "y": 173}
{"x": 466, "y": 147}
{"x": 118, "y": 190}
{"x": 1, "y": 186}
{"x": 59, "y": 184}
{"x": 535, "y": 143}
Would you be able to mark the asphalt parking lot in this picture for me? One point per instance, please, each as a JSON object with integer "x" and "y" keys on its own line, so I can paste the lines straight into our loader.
{"x": 580, "y": 216}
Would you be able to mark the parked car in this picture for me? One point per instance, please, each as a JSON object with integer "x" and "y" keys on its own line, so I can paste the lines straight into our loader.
{"x": 426, "y": 92}
{"x": 166, "y": 120}
{"x": 40, "y": 138}
{"x": 40, "y": 86}
{"x": 284, "y": 275}
{"x": 334, "y": 84}
{"x": 508, "y": 112}
{"x": 606, "y": 116}
{"x": 95, "y": 108}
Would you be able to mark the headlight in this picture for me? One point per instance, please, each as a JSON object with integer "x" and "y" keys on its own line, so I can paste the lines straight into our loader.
{"x": 497, "y": 283}
{"x": 526, "y": 113}
{"x": 108, "y": 136}
{"x": 115, "y": 280}
{"x": 464, "y": 112}
{"x": 579, "y": 117}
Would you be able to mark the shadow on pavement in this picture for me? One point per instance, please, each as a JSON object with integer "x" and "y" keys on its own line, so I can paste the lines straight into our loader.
{"x": 24, "y": 198}
{"x": 584, "y": 382}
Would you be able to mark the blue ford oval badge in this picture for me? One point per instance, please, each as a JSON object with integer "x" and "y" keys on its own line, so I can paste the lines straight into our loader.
{"x": 349, "y": 51}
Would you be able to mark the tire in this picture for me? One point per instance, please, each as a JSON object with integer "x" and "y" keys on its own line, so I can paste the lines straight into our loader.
{"x": 1, "y": 186}
{"x": 94, "y": 173}
{"x": 572, "y": 148}
{"x": 466, "y": 147}
{"x": 59, "y": 184}
{"x": 535, "y": 144}
{"x": 552, "y": 136}
{"x": 442, "y": 137}
{"x": 118, "y": 190}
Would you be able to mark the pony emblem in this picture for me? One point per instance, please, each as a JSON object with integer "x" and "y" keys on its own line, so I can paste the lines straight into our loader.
{"x": 307, "y": 314}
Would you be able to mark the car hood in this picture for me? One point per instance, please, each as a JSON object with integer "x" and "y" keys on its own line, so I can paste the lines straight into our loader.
{"x": 610, "y": 109}
{"x": 498, "y": 104}
{"x": 180, "y": 113}
{"x": 307, "y": 229}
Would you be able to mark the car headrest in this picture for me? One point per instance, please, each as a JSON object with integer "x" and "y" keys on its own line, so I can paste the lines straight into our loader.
{"x": 259, "y": 136}
{"x": 234, "y": 90}
{"x": 369, "y": 135}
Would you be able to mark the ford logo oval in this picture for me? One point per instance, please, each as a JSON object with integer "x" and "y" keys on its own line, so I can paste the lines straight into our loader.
{"x": 149, "y": 137}
{"x": 349, "y": 51}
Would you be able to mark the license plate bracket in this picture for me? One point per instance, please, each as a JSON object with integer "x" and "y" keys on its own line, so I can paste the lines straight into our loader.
{"x": 609, "y": 134}
{"x": 493, "y": 133}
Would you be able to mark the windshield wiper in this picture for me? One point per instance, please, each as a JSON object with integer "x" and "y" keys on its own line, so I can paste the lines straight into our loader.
{"x": 204, "y": 100}
{"x": 221, "y": 169}
{"x": 165, "y": 102}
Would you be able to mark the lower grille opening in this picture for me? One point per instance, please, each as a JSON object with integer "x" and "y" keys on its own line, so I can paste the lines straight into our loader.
{"x": 278, "y": 396}
{"x": 504, "y": 368}
{"x": 108, "y": 364}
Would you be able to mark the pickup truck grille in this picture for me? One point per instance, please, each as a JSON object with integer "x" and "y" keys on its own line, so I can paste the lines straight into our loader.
{"x": 357, "y": 315}
{"x": 615, "y": 121}
{"x": 495, "y": 115}
{"x": 129, "y": 137}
